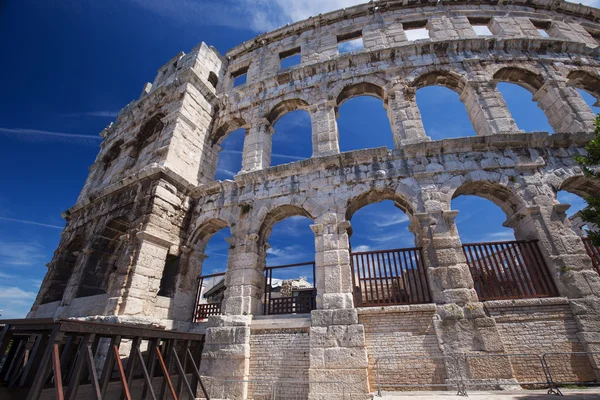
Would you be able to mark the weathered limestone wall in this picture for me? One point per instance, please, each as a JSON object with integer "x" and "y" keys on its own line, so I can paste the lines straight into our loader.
{"x": 401, "y": 331}
{"x": 279, "y": 354}
{"x": 539, "y": 326}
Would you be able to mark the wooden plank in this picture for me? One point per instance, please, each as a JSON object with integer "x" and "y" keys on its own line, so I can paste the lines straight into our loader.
{"x": 58, "y": 384}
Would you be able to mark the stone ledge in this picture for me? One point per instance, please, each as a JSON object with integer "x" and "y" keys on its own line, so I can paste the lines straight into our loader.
{"x": 397, "y": 309}
{"x": 549, "y": 301}
{"x": 270, "y": 322}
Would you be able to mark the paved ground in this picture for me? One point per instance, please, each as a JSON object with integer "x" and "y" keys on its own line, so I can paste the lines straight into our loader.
{"x": 569, "y": 394}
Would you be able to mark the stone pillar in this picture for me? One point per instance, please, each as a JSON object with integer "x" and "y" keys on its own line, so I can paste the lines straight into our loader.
{"x": 487, "y": 109}
{"x": 257, "y": 146}
{"x": 564, "y": 107}
{"x": 462, "y": 325}
{"x": 245, "y": 278}
{"x": 143, "y": 283}
{"x": 337, "y": 340}
{"x": 405, "y": 117}
{"x": 325, "y": 139}
{"x": 183, "y": 305}
{"x": 567, "y": 261}
{"x": 332, "y": 259}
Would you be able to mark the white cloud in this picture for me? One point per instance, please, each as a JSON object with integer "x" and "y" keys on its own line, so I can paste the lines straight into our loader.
{"x": 15, "y": 302}
{"x": 41, "y": 135}
{"x": 23, "y": 221}
{"x": 100, "y": 114}
{"x": 591, "y": 3}
{"x": 351, "y": 45}
{"x": 21, "y": 253}
{"x": 361, "y": 248}
{"x": 392, "y": 220}
{"x": 258, "y": 15}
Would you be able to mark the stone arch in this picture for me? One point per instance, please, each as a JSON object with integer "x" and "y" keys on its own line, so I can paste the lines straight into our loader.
{"x": 449, "y": 79}
{"x": 276, "y": 215}
{"x": 203, "y": 233}
{"x": 585, "y": 80}
{"x": 102, "y": 258}
{"x": 226, "y": 128}
{"x": 499, "y": 194}
{"x": 62, "y": 269}
{"x": 284, "y": 107}
{"x": 373, "y": 89}
{"x": 530, "y": 80}
{"x": 581, "y": 185}
{"x": 377, "y": 196}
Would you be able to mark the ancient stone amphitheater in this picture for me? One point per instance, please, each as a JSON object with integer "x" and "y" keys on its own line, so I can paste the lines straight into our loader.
{"x": 132, "y": 252}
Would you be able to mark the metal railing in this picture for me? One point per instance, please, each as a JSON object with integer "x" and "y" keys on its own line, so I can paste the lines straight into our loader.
{"x": 509, "y": 270}
{"x": 302, "y": 302}
{"x": 205, "y": 310}
{"x": 489, "y": 371}
{"x": 389, "y": 277}
{"x": 593, "y": 252}
{"x": 97, "y": 360}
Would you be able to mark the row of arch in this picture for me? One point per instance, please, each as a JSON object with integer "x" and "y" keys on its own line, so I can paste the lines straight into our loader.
{"x": 398, "y": 100}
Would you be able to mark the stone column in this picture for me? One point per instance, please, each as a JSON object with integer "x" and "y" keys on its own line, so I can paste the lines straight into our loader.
{"x": 183, "y": 305}
{"x": 332, "y": 259}
{"x": 337, "y": 340}
{"x": 567, "y": 261}
{"x": 405, "y": 117}
{"x": 139, "y": 295}
{"x": 257, "y": 146}
{"x": 462, "y": 325}
{"x": 325, "y": 139}
{"x": 245, "y": 278}
{"x": 564, "y": 107}
{"x": 487, "y": 109}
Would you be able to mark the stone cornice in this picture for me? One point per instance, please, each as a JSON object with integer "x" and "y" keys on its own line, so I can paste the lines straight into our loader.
{"x": 382, "y": 6}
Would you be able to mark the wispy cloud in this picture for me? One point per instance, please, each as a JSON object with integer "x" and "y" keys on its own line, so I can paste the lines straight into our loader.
{"x": 398, "y": 218}
{"x": 15, "y": 302}
{"x": 361, "y": 248}
{"x": 258, "y": 15}
{"x": 99, "y": 114}
{"x": 22, "y": 221}
{"x": 21, "y": 253}
{"x": 41, "y": 135}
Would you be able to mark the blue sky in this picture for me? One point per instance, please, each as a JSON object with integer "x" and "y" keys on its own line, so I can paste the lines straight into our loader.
{"x": 70, "y": 65}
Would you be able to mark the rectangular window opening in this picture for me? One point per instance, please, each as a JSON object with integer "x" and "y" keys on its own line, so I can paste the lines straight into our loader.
{"x": 543, "y": 27}
{"x": 415, "y": 30}
{"x": 350, "y": 42}
{"x": 168, "y": 282}
{"x": 481, "y": 26}
{"x": 239, "y": 76}
{"x": 290, "y": 58}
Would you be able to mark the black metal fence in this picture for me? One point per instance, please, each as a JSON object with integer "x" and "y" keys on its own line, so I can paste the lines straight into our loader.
{"x": 389, "y": 277}
{"x": 509, "y": 270}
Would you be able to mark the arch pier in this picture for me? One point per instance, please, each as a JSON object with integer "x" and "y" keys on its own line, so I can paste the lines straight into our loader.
{"x": 134, "y": 248}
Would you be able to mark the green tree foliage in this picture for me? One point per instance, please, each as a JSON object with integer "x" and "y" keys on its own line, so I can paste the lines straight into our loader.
{"x": 591, "y": 214}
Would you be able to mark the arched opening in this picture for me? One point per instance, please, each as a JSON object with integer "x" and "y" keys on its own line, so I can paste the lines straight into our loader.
{"x": 588, "y": 85}
{"x": 229, "y": 160}
{"x": 228, "y": 139}
{"x": 209, "y": 259}
{"x": 501, "y": 267}
{"x": 582, "y": 193}
{"x": 288, "y": 246}
{"x": 443, "y": 114}
{"x": 362, "y": 118}
{"x": 387, "y": 265}
{"x": 103, "y": 258}
{"x": 292, "y": 138}
{"x": 147, "y": 134}
{"x": 62, "y": 270}
{"x": 517, "y": 87}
